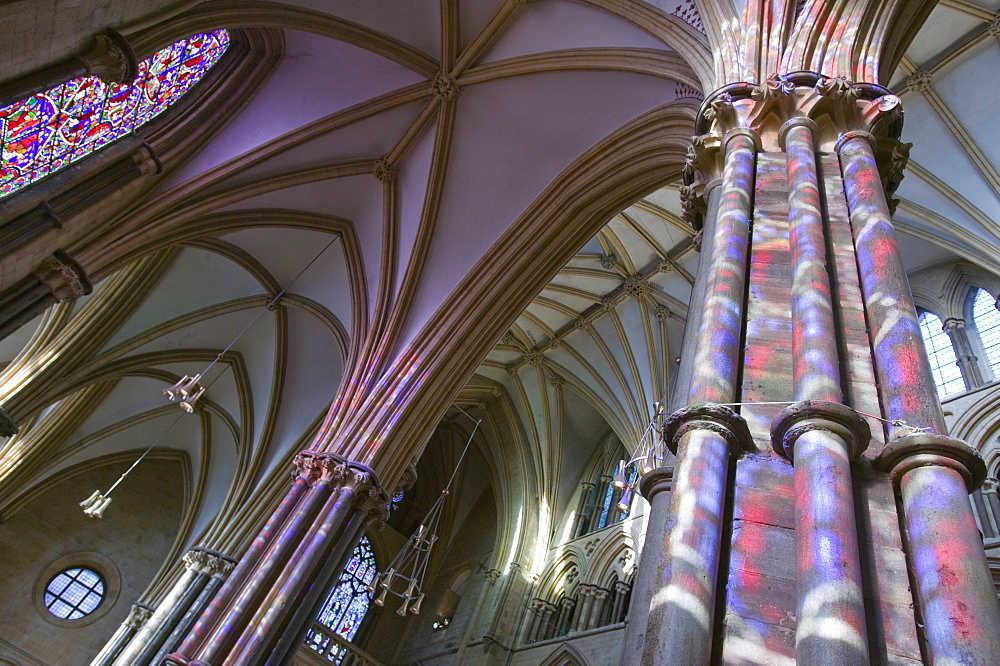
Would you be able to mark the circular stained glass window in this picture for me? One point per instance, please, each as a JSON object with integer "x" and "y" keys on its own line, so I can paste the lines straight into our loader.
{"x": 74, "y": 593}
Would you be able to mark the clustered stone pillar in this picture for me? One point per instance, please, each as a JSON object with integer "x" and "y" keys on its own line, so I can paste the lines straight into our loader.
{"x": 820, "y": 436}
{"x": 934, "y": 473}
{"x": 204, "y": 571}
{"x": 257, "y": 616}
{"x": 707, "y": 436}
{"x": 137, "y": 618}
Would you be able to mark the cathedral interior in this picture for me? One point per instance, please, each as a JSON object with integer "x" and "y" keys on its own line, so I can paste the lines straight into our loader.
{"x": 532, "y": 332}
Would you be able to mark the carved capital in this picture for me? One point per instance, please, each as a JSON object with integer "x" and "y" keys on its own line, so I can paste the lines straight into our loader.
{"x": 492, "y": 576}
{"x": 446, "y": 87}
{"x": 210, "y": 562}
{"x": 63, "y": 276}
{"x": 926, "y": 449}
{"x": 772, "y": 88}
{"x": 839, "y": 87}
{"x": 655, "y": 482}
{"x": 708, "y": 416}
{"x": 951, "y": 324}
{"x": 138, "y": 616}
{"x": 111, "y": 58}
{"x": 810, "y": 415}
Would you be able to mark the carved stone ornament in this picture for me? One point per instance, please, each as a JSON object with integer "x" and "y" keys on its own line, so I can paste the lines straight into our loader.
{"x": 385, "y": 170}
{"x": 839, "y": 87}
{"x": 446, "y": 87}
{"x": 209, "y": 562}
{"x": 919, "y": 81}
{"x": 492, "y": 576}
{"x": 581, "y": 324}
{"x": 697, "y": 240}
{"x": 508, "y": 339}
{"x": 634, "y": 285}
{"x": 511, "y": 369}
{"x": 772, "y": 88}
{"x": 557, "y": 380}
{"x": 899, "y": 158}
{"x": 662, "y": 313}
{"x": 138, "y": 616}
{"x": 110, "y": 58}
{"x": 533, "y": 358}
{"x": 720, "y": 109}
{"x": 994, "y": 27}
{"x": 608, "y": 261}
{"x": 689, "y": 204}
{"x": 63, "y": 276}
{"x": 146, "y": 160}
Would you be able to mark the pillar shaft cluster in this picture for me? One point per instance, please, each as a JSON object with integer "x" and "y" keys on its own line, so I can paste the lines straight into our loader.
{"x": 255, "y": 616}
{"x": 805, "y": 323}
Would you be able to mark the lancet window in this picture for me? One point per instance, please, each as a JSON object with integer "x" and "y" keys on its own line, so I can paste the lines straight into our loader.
{"x": 52, "y": 129}
{"x": 944, "y": 364}
{"x": 345, "y": 607}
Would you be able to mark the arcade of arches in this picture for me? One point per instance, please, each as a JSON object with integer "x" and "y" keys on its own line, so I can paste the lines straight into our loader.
{"x": 371, "y": 225}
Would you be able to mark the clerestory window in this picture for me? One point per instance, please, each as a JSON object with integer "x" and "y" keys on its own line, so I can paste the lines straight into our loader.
{"x": 987, "y": 322}
{"x": 50, "y": 130}
{"x": 965, "y": 353}
{"x": 944, "y": 364}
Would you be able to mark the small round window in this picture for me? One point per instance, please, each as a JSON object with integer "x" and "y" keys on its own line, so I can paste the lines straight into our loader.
{"x": 74, "y": 593}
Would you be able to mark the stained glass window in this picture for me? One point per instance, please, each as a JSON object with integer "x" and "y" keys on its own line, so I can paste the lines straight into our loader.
{"x": 987, "y": 318}
{"x": 944, "y": 365}
{"x": 45, "y": 132}
{"x": 346, "y": 606}
{"x": 74, "y": 593}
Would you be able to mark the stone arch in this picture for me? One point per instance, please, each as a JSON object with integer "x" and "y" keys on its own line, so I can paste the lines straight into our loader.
{"x": 616, "y": 555}
{"x": 565, "y": 655}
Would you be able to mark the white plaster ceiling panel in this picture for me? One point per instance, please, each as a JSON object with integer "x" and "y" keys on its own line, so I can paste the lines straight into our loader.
{"x": 944, "y": 27}
{"x": 583, "y": 428}
{"x": 918, "y": 254}
{"x": 593, "y": 246}
{"x": 594, "y": 280}
{"x": 414, "y": 174}
{"x": 555, "y": 25}
{"x": 366, "y": 139}
{"x": 576, "y": 301}
{"x": 553, "y": 118}
{"x": 473, "y": 15}
{"x": 223, "y": 458}
{"x": 184, "y": 436}
{"x": 197, "y": 279}
{"x": 413, "y": 22}
{"x": 312, "y": 374}
{"x": 666, "y": 234}
{"x": 130, "y": 396}
{"x": 551, "y": 319}
{"x": 929, "y": 197}
{"x": 11, "y": 346}
{"x": 287, "y": 253}
{"x": 673, "y": 284}
{"x": 317, "y": 77}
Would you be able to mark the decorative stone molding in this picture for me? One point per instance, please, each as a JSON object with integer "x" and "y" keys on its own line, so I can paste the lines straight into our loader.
{"x": 591, "y": 546}
{"x": 511, "y": 369}
{"x": 659, "y": 480}
{"x": 666, "y": 265}
{"x": 138, "y": 616}
{"x": 508, "y": 339}
{"x": 581, "y": 324}
{"x": 385, "y": 170}
{"x": 994, "y": 26}
{"x": 634, "y": 285}
{"x": 609, "y": 261}
{"x": 492, "y": 576}
{"x": 697, "y": 240}
{"x": 209, "y": 562}
{"x": 146, "y": 161}
{"x": 919, "y": 81}
{"x": 63, "y": 276}
{"x": 557, "y": 381}
{"x": 533, "y": 358}
{"x": 808, "y": 415}
{"x": 839, "y": 87}
{"x": 708, "y": 416}
{"x": 913, "y": 451}
{"x": 446, "y": 87}
{"x": 662, "y": 313}
{"x": 772, "y": 88}
{"x": 111, "y": 58}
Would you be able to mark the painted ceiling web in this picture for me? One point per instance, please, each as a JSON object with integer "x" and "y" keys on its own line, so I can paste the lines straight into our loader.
{"x": 687, "y": 11}
{"x": 47, "y": 131}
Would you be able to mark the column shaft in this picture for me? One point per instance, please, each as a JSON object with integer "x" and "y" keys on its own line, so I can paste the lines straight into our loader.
{"x": 904, "y": 375}
{"x": 831, "y": 619}
{"x": 957, "y": 598}
{"x": 681, "y": 614}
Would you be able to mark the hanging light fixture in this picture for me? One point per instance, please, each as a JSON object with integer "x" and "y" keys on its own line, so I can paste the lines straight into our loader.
{"x": 647, "y": 456}
{"x": 405, "y": 576}
{"x": 95, "y": 505}
{"x": 188, "y": 389}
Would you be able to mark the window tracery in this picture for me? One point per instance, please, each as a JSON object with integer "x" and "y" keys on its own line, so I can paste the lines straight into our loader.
{"x": 50, "y": 130}
{"x": 987, "y": 322}
{"x": 346, "y": 605}
{"x": 944, "y": 363}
